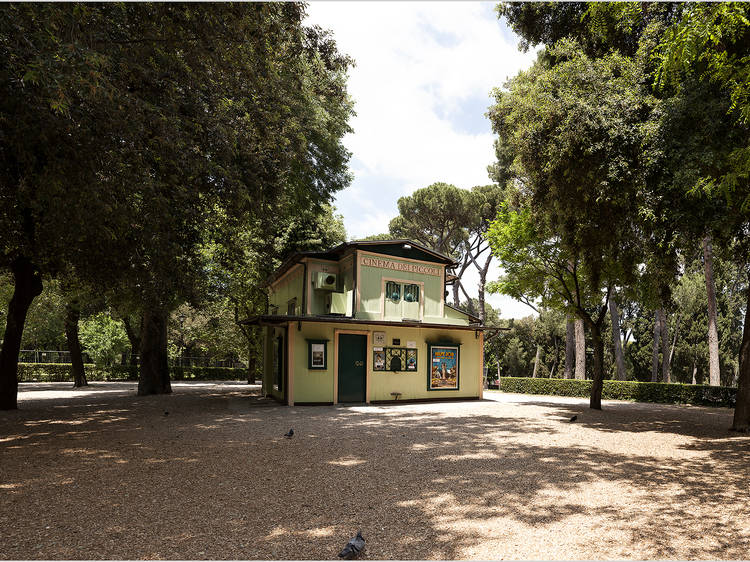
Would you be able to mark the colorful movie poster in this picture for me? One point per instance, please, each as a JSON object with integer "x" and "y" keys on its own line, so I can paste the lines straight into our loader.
{"x": 378, "y": 360}
{"x": 444, "y": 368}
{"x": 411, "y": 359}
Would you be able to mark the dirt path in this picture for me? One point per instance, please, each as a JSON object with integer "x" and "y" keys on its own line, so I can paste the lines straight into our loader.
{"x": 105, "y": 474}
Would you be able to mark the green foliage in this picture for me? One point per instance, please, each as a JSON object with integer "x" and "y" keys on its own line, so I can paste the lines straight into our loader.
{"x": 59, "y": 372}
{"x": 711, "y": 39}
{"x": 103, "y": 338}
{"x": 435, "y": 216}
{"x": 700, "y": 395}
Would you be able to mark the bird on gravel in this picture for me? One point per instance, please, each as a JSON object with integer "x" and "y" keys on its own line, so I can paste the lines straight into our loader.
{"x": 289, "y": 434}
{"x": 166, "y": 413}
{"x": 574, "y": 418}
{"x": 353, "y": 548}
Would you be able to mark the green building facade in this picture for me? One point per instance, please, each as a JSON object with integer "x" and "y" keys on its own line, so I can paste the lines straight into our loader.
{"x": 368, "y": 322}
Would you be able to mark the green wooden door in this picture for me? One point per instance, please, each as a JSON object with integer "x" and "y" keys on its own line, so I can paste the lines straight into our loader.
{"x": 352, "y": 367}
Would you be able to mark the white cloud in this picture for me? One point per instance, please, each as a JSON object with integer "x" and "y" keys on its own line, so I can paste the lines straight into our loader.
{"x": 415, "y": 60}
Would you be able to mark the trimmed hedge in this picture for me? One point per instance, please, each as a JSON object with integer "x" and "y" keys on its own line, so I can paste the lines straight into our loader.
{"x": 661, "y": 393}
{"x": 60, "y": 372}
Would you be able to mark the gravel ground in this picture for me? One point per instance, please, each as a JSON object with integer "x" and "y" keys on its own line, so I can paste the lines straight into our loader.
{"x": 102, "y": 473}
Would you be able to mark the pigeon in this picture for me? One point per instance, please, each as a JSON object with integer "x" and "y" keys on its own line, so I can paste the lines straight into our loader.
{"x": 353, "y": 548}
{"x": 289, "y": 434}
{"x": 574, "y": 418}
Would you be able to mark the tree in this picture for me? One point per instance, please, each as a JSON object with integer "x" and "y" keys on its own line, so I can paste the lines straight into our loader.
{"x": 152, "y": 121}
{"x": 616, "y": 341}
{"x": 575, "y": 131}
{"x": 452, "y": 221}
{"x": 485, "y": 200}
{"x": 709, "y": 45}
{"x": 713, "y": 334}
{"x": 570, "y": 346}
{"x": 437, "y": 216}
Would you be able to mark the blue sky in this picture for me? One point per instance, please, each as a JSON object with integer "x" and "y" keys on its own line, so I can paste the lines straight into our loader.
{"x": 421, "y": 86}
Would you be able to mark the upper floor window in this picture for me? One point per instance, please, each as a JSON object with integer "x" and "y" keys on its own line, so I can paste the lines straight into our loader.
{"x": 393, "y": 291}
{"x": 291, "y": 307}
{"x": 411, "y": 293}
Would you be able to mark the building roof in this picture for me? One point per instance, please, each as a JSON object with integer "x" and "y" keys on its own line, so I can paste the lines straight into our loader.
{"x": 397, "y": 248}
{"x": 275, "y": 319}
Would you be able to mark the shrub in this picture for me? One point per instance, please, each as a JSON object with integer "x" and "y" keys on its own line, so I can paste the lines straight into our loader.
{"x": 662, "y": 393}
{"x": 60, "y": 372}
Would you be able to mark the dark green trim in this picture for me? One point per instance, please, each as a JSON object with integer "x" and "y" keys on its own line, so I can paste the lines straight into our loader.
{"x": 310, "y": 365}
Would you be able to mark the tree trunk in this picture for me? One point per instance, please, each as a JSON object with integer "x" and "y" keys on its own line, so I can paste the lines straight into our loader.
{"x": 580, "y": 350}
{"x": 619, "y": 359}
{"x": 695, "y": 368}
{"x": 154, "y": 369}
{"x": 595, "y": 402}
{"x": 664, "y": 328}
{"x": 135, "y": 340}
{"x": 553, "y": 370}
{"x": 27, "y": 286}
{"x": 674, "y": 339}
{"x": 570, "y": 347}
{"x": 536, "y": 360}
{"x": 655, "y": 357}
{"x": 251, "y": 364}
{"x": 482, "y": 282}
{"x": 742, "y": 408}
{"x": 714, "y": 372}
{"x": 72, "y": 315}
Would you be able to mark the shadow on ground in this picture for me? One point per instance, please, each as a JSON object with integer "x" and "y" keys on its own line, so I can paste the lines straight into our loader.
{"x": 114, "y": 476}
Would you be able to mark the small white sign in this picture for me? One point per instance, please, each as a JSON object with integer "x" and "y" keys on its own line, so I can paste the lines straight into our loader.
{"x": 411, "y": 344}
{"x": 377, "y": 349}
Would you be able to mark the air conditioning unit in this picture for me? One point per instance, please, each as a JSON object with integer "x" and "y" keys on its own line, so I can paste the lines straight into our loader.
{"x": 325, "y": 281}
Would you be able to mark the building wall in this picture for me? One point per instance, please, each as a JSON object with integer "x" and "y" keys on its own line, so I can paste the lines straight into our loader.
{"x": 287, "y": 288}
{"x": 318, "y": 300}
{"x": 370, "y": 281}
{"x": 319, "y": 386}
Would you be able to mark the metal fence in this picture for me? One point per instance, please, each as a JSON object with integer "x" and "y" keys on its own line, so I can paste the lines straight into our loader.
{"x": 51, "y": 356}
{"x": 46, "y": 356}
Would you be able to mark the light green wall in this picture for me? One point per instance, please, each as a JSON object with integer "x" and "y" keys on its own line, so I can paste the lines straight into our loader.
{"x": 457, "y": 317}
{"x": 312, "y": 385}
{"x": 290, "y": 287}
{"x": 317, "y": 386}
{"x": 414, "y": 384}
{"x": 370, "y": 284}
{"x": 319, "y": 299}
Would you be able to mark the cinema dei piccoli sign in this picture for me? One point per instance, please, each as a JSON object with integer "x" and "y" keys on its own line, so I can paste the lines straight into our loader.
{"x": 400, "y": 266}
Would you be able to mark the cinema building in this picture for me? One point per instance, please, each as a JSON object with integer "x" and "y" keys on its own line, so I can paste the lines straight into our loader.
{"x": 367, "y": 322}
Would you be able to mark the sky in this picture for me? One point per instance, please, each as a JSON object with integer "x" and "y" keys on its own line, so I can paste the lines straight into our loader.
{"x": 421, "y": 86}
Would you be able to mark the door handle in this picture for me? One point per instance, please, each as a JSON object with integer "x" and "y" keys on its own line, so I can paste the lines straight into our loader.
{"x": 359, "y": 363}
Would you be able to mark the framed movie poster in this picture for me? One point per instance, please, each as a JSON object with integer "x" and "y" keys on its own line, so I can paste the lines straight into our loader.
{"x": 317, "y": 356}
{"x": 411, "y": 359}
{"x": 443, "y": 369}
{"x": 378, "y": 359}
